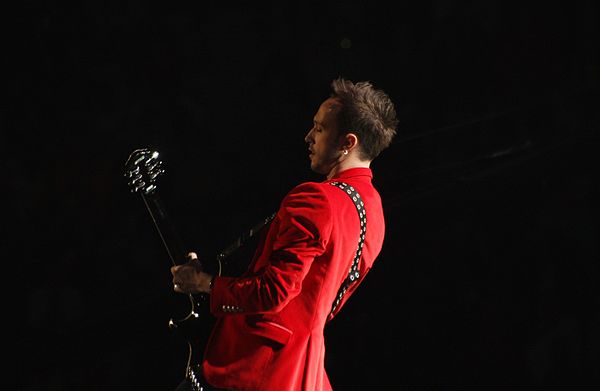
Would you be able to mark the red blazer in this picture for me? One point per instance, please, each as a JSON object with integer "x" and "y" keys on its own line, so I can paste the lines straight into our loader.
{"x": 270, "y": 321}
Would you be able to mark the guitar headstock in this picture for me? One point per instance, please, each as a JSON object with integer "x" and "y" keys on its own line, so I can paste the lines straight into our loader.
{"x": 142, "y": 169}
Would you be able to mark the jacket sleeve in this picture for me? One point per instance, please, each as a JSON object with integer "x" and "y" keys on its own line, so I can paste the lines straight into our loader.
{"x": 303, "y": 227}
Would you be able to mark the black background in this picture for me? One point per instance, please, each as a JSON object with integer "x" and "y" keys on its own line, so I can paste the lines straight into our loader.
{"x": 489, "y": 274}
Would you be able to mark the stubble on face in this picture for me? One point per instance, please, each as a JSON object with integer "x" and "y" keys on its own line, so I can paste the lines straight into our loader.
{"x": 324, "y": 146}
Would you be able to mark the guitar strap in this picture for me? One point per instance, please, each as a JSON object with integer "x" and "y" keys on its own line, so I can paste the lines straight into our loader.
{"x": 353, "y": 273}
{"x": 227, "y": 251}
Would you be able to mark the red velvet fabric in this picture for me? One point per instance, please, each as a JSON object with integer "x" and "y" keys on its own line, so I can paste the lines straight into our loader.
{"x": 269, "y": 331}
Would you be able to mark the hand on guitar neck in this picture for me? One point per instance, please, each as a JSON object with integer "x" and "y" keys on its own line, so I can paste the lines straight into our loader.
{"x": 189, "y": 278}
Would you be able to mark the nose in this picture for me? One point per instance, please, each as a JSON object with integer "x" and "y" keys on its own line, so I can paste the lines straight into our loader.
{"x": 308, "y": 138}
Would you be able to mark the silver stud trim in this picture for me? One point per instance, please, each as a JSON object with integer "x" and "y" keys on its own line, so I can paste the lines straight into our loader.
{"x": 353, "y": 274}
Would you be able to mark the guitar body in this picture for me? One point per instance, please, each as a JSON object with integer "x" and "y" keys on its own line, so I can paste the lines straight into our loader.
{"x": 195, "y": 329}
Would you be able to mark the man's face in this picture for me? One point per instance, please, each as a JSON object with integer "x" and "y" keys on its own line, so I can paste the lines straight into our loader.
{"x": 324, "y": 142}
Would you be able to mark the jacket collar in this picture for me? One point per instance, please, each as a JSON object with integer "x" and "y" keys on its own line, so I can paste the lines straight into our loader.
{"x": 353, "y": 172}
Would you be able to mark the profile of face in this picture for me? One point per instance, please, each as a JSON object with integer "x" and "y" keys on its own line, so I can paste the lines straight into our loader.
{"x": 324, "y": 141}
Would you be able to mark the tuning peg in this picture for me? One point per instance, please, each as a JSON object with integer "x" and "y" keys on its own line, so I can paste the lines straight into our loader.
{"x": 155, "y": 174}
{"x": 150, "y": 189}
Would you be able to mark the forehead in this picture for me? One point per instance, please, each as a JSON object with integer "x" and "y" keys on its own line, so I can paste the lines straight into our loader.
{"x": 328, "y": 110}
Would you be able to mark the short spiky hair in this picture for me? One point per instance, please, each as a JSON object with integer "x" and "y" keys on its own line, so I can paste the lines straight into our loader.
{"x": 367, "y": 112}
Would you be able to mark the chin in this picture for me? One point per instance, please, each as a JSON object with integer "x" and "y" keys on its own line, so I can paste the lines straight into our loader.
{"x": 318, "y": 169}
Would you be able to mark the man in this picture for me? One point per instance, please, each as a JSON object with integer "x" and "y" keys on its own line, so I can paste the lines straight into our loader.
{"x": 270, "y": 321}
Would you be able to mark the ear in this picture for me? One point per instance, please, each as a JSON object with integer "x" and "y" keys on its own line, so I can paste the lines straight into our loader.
{"x": 350, "y": 141}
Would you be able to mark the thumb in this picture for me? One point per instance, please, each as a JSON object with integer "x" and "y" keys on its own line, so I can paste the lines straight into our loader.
{"x": 193, "y": 260}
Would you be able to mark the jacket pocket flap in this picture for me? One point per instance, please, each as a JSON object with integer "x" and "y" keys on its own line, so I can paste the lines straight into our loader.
{"x": 271, "y": 330}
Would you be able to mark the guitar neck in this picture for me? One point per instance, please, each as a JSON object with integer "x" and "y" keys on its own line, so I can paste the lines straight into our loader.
{"x": 165, "y": 228}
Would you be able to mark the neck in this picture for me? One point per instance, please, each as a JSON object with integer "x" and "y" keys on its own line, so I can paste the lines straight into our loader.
{"x": 346, "y": 164}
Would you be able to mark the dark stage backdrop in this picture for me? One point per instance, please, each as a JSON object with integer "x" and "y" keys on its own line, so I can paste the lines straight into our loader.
{"x": 488, "y": 279}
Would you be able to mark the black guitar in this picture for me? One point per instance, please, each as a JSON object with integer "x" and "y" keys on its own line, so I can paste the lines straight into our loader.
{"x": 142, "y": 170}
